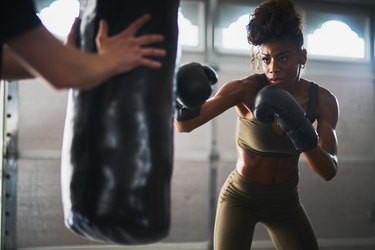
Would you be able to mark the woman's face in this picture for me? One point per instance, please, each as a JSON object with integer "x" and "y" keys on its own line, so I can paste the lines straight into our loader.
{"x": 281, "y": 62}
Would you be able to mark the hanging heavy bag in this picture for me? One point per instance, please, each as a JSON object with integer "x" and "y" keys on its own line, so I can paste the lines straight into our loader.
{"x": 118, "y": 138}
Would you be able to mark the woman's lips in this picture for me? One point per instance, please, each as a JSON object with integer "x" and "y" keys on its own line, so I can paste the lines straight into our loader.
{"x": 275, "y": 80}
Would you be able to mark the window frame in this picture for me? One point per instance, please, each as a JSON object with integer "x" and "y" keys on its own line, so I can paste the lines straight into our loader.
{"x": 199, "y": 20}
{"x": 327, "y": 9}
{"x": 345, "y": 14}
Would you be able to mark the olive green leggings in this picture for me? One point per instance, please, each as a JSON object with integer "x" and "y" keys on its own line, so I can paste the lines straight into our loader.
{"x": 243, "y": 203}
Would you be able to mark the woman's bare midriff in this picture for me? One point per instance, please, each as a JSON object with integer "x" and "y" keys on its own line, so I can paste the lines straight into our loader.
{"x": 266, "y": 170}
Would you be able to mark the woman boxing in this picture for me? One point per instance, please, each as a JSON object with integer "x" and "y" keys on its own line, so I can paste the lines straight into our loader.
{"x": 271, "y": 134}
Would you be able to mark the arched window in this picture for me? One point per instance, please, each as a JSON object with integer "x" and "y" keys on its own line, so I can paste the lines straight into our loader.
{"x": 339, "y": 33}
{"x": 231, "y": 34}
{"x": 191, "y": 25}
{"x": 189, "y": 33}
{"x": 234, "y": 37}
{"x": 335, "y": 39}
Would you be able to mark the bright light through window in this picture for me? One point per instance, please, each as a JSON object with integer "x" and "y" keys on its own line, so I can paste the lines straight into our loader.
{"x": 59, "y": 16}
{"x": 188, "y": 33}
{"x": 335, "y": 38}
{"x": 235, "y": 36}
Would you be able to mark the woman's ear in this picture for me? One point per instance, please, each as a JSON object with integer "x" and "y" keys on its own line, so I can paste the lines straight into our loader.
{"x": 303, "y": 56}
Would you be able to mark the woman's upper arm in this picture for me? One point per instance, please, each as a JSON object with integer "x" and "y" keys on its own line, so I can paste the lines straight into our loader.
{"x": 328, "y": 112}
{"x": 227, "y": 96}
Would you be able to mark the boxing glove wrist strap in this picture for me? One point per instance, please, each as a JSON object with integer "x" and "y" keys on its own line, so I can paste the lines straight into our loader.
{"x": 184, "y": 114}
{"x": 304, "y": 138}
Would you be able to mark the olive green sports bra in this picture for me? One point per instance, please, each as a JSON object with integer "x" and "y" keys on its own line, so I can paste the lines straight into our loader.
{"x": 259, "y": 138}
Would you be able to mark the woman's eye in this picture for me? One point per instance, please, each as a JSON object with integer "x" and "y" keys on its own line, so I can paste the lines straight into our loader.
{"x": 265, "y": 60}
{"x": 283, "y": 59}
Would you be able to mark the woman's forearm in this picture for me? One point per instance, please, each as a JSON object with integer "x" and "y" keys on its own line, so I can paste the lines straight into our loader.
{"x": 323, "y": 163}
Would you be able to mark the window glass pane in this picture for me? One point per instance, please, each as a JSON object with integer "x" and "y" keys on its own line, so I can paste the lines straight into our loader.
{"x": 335, "y": 38}
{"x": 234, "y": 36}
{"x": 189, "y": 33}
{"x": 191, "y": 25}
{"x": 231, "y": 34}
{"x": 59, "y": 16}
{"x": 337, "y": 33}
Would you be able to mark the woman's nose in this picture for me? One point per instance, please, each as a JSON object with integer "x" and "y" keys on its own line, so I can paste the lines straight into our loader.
{"x": 274, "y": 67}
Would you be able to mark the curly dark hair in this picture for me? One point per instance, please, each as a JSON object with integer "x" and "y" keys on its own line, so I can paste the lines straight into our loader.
{"x": 275, "y": 20}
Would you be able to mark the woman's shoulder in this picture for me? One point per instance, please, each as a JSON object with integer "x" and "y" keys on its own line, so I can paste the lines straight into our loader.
{"x": 248, "y": 82}
{"x": 240, "y": 91}
{"x": 250, "y": 79}
{"x": 325, "y": 96}
{"x": 254, "y": 81}
{"x": 327, "y": 103}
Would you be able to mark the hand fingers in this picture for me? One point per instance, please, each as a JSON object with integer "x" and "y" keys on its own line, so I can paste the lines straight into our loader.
{"x": 102, "y": 32}
{"x": 136, "y": 25}
{"x": 148, "y": 39}
{"x": 150, "y": 63}
{"x": 153, "y": 52}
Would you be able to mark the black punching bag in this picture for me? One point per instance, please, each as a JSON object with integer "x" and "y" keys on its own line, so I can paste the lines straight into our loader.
{"x": 118, "y": 138}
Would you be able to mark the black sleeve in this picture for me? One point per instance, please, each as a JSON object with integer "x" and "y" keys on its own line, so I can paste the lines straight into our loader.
{"x": 16, "y": 17}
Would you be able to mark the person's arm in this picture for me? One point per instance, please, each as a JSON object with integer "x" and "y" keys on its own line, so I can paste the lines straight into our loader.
{"x": 12, "y": 68}
{"x": 38, "y": 51}
{"x": 229, "y": 95}
{"x": 323, "y": 158}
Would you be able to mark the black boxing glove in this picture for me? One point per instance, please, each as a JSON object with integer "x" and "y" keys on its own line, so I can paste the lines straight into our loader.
{"x": 194, "y": 87}
{"x": 274, "y": 102}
